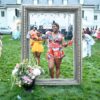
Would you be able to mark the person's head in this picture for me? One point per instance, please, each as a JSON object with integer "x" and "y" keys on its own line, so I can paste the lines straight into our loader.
{"x": 87, "y": 29}
{"x": 33, "y": 28}
{"x": 38, "y": 32}
{"x": 55, "y": 27}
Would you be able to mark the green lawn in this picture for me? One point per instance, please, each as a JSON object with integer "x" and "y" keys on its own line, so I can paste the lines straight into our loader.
{"x": 88, "y": 90}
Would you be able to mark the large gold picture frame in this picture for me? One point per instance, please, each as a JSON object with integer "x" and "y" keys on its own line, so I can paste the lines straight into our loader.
{"x": 76, "y": 10}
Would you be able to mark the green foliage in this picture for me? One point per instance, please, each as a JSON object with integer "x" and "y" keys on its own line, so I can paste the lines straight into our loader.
{"x": 88, "y": 90}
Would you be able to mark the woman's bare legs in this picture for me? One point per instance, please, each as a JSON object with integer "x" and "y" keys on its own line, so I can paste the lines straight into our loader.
{"x": 37, "y": 57}
{"x": 58, "y": 63}
{"x": 51, "y": 67}
{"x": 34, "y": 54}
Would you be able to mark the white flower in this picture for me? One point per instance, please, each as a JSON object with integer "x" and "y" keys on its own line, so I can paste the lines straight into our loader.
{"x": 29, "y": 66}
{"x": 17, "y": 65}
{"x": 25, "y": 73}
{"x": 14, "y": 72}
{"x": 33, "y": 77}
{"x": 36, "y": 72}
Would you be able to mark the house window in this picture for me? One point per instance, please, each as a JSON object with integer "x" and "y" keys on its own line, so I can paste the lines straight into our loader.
{"x": 97, "y": 7}
{"x": 81, "y": 1}
{"x": 35, "y": 2}
{"x": 2, "y": 13}
{"x": 82, "y": 13}
{"x": 57, "y": 2}
{"x": 95, "y": 17}
{"x": 50, "y": 2}
{"x": 17, "y": 14}
{"x": 18, "y": 1}
{"x": 65, "y": 2}
{"x": 42, "y": 1}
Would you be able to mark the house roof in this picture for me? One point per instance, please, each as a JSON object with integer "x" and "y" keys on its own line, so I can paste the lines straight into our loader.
{"x": 88, "y": 6}
{"x": 88, "y": 2}
{"x": 8, "y": 1}
{"x": 92, "y": 2}
{"x": 73, "y": 1}
{"x": 27, "y": 1}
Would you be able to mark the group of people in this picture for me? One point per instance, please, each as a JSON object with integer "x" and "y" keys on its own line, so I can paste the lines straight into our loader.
{"x": 95, "y": 32}
{"x": 55, "y": 44}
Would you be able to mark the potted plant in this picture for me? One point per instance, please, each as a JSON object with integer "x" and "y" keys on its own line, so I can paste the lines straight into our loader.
{"x": 24, "y": 74}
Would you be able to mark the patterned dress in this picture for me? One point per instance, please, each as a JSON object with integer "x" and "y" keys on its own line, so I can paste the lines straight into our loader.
{"x": 55, "y": 45}
{"x": 35, "y": 44}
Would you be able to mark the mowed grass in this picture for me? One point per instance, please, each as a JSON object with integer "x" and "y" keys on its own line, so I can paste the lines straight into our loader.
{"x": 89, "y": 89}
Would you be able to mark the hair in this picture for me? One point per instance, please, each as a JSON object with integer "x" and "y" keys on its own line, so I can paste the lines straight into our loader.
{"x": 39, "y": 30}
{"x": 54, "y": 23}
{"x": 33, "y": 27}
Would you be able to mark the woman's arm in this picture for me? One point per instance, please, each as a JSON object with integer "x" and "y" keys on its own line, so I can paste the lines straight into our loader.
{"x": 69, "y": 43}
{"x": 64, "y": 43}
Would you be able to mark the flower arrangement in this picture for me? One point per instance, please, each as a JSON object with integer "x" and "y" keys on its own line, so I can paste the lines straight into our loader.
{"x": 25, "y": 74}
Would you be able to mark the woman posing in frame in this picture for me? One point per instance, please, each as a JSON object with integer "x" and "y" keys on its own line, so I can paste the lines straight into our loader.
{"x": 55, "y": 51}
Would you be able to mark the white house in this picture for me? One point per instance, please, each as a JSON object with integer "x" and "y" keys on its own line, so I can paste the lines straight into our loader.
{"x": 10, "y": 10}
{"x": 97, "y": 17}
{"x": 3, "y": 16}
{"x": 8, "y": 15}
{"x": 88, "y": 15}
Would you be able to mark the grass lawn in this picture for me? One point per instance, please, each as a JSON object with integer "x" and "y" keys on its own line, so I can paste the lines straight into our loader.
{"x": 88, "y": 90}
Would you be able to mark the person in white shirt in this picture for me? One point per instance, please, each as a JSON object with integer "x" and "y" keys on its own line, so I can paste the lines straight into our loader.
{"x": 87, "y": 43}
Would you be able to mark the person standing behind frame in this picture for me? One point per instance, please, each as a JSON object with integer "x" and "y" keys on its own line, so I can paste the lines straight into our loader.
{"x": 98, "y": 34}
{"x": 30, "y": 34}
{"x": 55, "y": 51}
{"x": 87, "y": 43}
{"x": 36, "y": 43}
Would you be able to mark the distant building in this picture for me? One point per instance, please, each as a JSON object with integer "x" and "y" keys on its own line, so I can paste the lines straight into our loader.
{"x": 10, "y": 10}
{"x": 9, "y": 14}
{"x": 91, "y": 16}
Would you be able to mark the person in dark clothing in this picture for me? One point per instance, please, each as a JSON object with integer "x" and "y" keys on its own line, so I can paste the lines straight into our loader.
{"x": 88, "y": 31}
{"x": 70, "y": 32}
